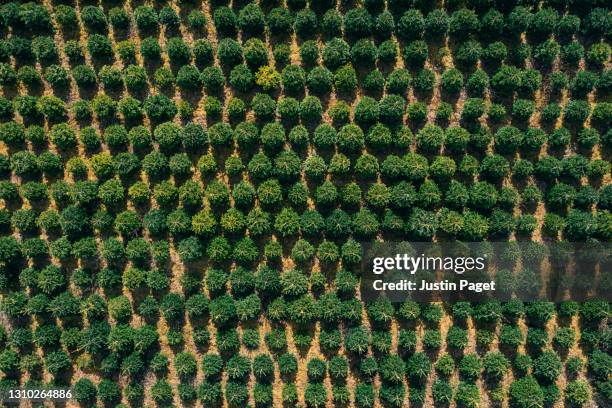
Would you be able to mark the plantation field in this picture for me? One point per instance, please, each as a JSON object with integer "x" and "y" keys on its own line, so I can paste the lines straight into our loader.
{"x": 186, "y": 187}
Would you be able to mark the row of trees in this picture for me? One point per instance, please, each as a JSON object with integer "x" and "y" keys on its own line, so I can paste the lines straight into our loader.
{"x": 356, "y": 22}
{"x": 248, "y": 66}
{"x": 474, "y": 213}
{"x": 319, "y": 81}
{"x": 172, "y": 142}
{"x": 334, "y": 53}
